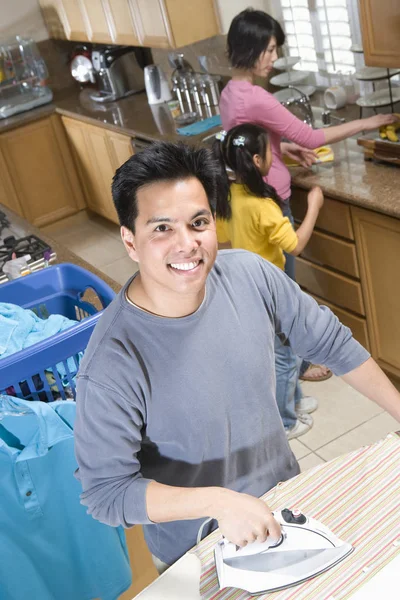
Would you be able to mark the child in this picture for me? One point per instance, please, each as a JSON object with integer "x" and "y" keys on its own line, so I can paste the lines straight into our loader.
{"x": 250, "y": 217}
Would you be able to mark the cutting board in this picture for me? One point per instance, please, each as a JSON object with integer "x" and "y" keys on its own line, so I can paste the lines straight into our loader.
{"x": 380, "y": 149}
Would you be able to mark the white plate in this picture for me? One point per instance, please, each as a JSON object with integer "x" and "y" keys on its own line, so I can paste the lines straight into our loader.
{"x": 286, "y": 62}
{"x": 289, "y": 78}
{"x": 379, "y": 98}
{"x": 286, "y": 94}
{"x": 357, "y": 48}
{"x": 374, "y": 73}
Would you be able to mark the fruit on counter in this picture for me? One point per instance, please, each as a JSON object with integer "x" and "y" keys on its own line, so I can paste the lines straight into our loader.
{"x": 389, "y": 132}
{"x": 382, "y": 132}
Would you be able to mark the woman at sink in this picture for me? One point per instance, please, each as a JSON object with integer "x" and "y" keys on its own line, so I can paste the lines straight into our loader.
{"x": 253, "y": 39}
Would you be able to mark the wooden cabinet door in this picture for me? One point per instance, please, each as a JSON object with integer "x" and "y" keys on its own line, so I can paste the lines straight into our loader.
{"x": 380, "y": 26}
{"x": 75, "y": 131}
{"x": 152, "y": 23}
{"x": 120, "y": 146}
{"x": 73, "y": 20}
{"x": 98, "y": 153}
{"x": 102, "y": 171}
{"x": 378, "y": 242}
{"x": 42, "y": 171}
{"x": 99, "y": 28}
{"x": 124, "y": 27}
{"x": 8, "y": 196}
{"x": 53, "y": 16}
{"x": 94, "y": 165}
{"x": 191, "y": 20}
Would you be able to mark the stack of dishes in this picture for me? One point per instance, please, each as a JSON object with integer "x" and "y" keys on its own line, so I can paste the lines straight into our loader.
{"x": 377, "y": 98}
{"x": 290, "y": 77}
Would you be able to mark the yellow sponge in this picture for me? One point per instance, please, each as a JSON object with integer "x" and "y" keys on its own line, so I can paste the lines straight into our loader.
{"x": 324, "y": 154}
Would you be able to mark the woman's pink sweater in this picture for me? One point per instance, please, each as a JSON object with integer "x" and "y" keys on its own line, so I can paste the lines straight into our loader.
{"x": 242, "y": 102}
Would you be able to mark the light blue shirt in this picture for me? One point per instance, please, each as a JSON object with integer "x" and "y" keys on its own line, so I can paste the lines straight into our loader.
{"x": 50, "y": 548}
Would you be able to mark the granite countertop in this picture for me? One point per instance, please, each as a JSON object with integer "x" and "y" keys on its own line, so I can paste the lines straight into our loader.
{"x": 63, "y": 254}
{"x": 371, "y": 185}
{"x": 131, "y": 115}
{"x": 350, "y": 178}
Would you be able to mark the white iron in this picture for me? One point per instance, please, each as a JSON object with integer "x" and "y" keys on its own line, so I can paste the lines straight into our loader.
{"x": 306, "y": 549}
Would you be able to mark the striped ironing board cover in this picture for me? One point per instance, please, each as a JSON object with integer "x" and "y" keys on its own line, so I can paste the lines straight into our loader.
{"x": 357, "y": 496}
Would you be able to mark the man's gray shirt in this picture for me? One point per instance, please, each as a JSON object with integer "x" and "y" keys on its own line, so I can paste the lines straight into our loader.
{"x": 191, "y": 401}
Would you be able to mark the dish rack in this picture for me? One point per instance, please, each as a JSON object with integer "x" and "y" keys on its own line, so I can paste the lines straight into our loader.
{"x": 23, "y": 76}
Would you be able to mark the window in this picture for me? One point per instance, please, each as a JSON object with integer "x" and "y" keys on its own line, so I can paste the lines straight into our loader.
{"x": 321, "y": 32}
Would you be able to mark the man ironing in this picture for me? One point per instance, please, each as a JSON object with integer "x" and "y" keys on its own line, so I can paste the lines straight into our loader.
{"x": 176, "y": 413}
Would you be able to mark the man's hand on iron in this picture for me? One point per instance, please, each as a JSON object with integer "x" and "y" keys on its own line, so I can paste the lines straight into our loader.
{"x": 244, "y": 519}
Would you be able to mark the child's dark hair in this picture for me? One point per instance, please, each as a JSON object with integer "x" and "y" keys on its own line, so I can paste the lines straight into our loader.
{"x": 249, "y": 36}
{"x": 253, "y": 139}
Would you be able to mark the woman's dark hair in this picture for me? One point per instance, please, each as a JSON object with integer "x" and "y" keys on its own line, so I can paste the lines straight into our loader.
{"x": 249, "y": 35}
{"x": 239, "y": 158}
{"x": 162, "y": 161}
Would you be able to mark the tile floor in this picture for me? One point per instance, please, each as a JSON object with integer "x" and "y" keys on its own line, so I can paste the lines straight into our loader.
{"x": 97, "y": 241}
{"x": 344, "y": 421}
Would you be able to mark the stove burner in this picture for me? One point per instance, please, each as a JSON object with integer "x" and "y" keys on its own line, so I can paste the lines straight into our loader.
{"x": 4, "y": 222}
{"x": 27, "y": 245}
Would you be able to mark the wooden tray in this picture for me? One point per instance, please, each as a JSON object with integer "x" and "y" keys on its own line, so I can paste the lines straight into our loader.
{"x": 380, "y": 150}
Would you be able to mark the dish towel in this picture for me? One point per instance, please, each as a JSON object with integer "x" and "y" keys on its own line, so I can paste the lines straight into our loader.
{"x": 357, "y": 496}
{"x": 200, "y": 126}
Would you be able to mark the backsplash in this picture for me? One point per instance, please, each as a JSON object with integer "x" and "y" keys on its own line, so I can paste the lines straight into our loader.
{"x": 214, "y": 48}
{"x": 56, "y": 54}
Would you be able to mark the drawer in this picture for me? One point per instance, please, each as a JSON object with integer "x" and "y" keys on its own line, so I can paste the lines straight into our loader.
{"x": 334, "y": 216}
{"x": 332, "y": 252}
{"x": 338, "y": 289}
{"x": 358, "y": 325}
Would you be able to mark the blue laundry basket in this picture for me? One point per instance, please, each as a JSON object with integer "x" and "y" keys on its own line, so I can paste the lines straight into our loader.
{"x": 46, "y": 371}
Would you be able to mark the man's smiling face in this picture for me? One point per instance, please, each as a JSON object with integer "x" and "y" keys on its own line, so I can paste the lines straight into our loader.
{"x": 175, "y": 240}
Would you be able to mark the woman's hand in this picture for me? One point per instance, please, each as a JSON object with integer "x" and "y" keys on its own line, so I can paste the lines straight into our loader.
{"x": 371, "y": 123}
{"x": 305, "y": 157}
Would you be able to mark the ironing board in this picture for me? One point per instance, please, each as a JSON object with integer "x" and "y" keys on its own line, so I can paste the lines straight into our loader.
{"x": 357, "y": 496}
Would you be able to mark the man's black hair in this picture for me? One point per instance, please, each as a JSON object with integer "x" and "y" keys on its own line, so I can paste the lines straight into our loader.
{"x": 249, "y": 36}
{"x": 162, "y": 161}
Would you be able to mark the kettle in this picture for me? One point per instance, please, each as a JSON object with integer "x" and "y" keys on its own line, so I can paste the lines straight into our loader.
{"x": 156, "y": 83}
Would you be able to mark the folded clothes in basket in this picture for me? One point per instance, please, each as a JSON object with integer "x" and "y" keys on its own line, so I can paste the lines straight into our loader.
{"x": 21, "y": 328}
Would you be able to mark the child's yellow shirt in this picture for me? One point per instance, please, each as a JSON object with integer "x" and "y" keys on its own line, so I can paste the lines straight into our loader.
{"x": 257, "y": 224}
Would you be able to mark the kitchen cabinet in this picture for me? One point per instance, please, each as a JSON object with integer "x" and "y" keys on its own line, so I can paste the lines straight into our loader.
{"x": 380, "y": 27}
{"x": 378, "y": 243}
{"x": 38, "y": 172}
{"x": 97, "y": 18}
{"x": 328, "y": 268}
{"x": 174, "y": 23}
{"x": 54, "y": 18}
{"x": 152, "y": 23}
{"x": 189, "y": 21}
{"x": 124, "y": 25}
{"x": 73, "y": 19}
{"x": 8, "y": 195}
{"x": 98, "y": 153}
